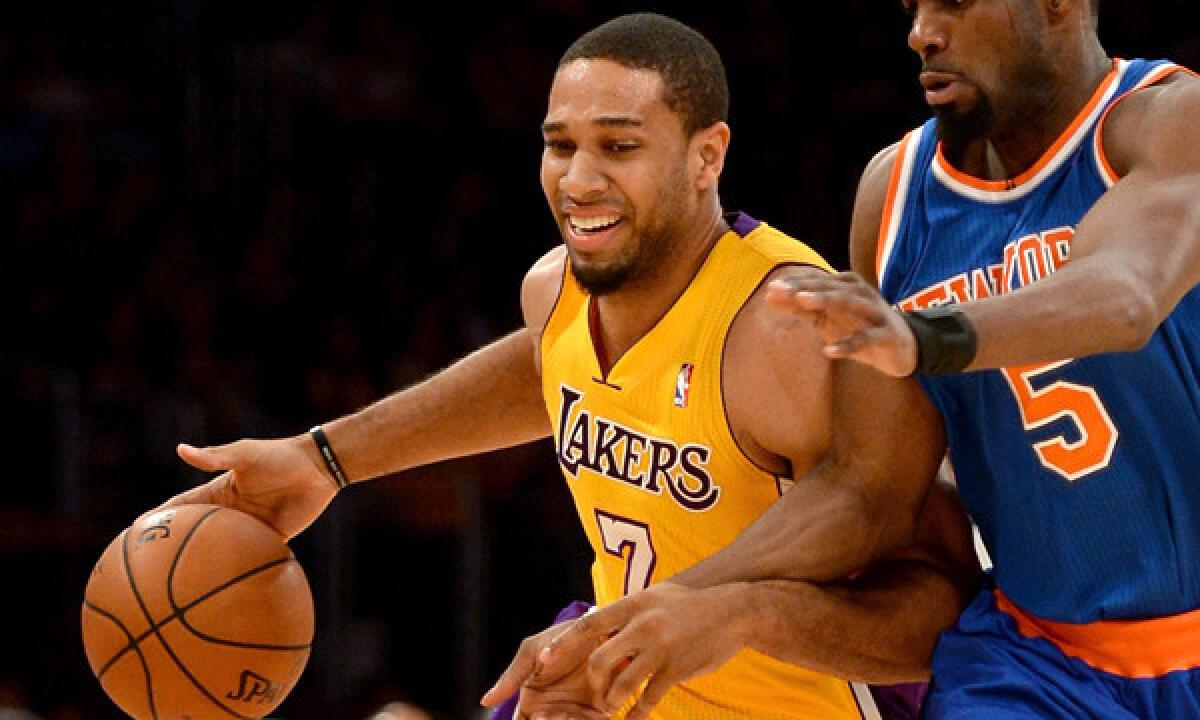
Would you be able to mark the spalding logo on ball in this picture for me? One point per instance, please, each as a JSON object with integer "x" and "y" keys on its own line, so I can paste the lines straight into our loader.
{"x": 197, "y": 612}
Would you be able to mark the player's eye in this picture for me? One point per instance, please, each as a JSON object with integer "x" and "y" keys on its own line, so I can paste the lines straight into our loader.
{"x": 622, "y": 147}
{"x": 559, "y": 147}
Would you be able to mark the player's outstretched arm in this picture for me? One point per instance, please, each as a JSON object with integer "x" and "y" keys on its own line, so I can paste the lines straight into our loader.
{"x": 1134, "y": 255}
{"x": 488, "y": 400}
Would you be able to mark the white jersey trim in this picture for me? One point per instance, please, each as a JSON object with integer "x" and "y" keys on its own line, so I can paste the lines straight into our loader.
{"x": 866, "y": 701}
{"x": 893, "y": 214}
{"x": 1102, "y": 166}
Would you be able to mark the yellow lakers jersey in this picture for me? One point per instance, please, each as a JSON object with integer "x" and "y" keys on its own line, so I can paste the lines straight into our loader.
{"x": 657, "y": 477}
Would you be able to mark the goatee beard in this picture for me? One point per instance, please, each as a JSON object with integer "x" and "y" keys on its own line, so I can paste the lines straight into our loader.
{"x": 600, "y": 281}
{"x": 956, "y": 130}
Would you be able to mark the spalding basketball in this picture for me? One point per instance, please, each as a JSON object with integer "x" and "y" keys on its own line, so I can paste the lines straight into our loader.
{"x": 197, "y": 612}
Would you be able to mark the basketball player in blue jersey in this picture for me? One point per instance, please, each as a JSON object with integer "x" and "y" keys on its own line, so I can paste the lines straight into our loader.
{"x": 1031, "y": 254}
{"x": 680, "y": 402}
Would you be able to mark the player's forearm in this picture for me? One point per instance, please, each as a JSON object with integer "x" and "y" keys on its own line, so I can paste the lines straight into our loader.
{"x": 485, "y": 401}
{"x": 879, "y": 629}
{"x": 818, "y": 532}
{"x": 1134, "y": 256}
{"x": 1077, "y": 312}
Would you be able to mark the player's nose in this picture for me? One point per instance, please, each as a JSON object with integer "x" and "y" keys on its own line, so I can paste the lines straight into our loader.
{"x": 928, "y": 34}
{"x": 583, "y": 179}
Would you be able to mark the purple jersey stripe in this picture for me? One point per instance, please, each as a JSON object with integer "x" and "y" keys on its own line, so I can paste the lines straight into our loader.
{"x": 899, "y": 702}
{"x": 743, "y": 224}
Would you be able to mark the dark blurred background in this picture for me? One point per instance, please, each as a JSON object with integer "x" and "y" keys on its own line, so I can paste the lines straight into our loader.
{"x": 227, "y": 219}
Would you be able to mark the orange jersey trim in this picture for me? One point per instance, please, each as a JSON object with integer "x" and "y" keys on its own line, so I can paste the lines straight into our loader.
{"x": 1046, "y": 158}
{"x": 885, "y": 238}
{"x": 1152, "y": 79}
{"x": 1129, "y": 648}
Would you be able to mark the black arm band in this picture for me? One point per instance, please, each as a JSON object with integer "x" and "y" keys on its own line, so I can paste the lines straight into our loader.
{"x": 946, "y": 342}
{"x": 331, "y": 461}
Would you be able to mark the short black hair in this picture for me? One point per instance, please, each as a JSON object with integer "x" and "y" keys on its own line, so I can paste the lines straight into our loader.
{"x": 694, "y": 84}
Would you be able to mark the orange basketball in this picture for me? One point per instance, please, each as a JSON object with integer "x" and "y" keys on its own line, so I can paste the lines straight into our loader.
{"x": 197, "y": 612}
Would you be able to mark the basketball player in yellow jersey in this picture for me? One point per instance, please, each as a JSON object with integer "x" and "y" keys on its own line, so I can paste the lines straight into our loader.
{"x": 680, "y": 406}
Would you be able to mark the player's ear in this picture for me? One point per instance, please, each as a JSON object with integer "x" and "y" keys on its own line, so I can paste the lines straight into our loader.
{"x": 709, "y": 146}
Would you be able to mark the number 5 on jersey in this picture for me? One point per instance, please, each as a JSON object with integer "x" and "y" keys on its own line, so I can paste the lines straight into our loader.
{"x": 1097, "y": 434}
{"x": 630, "y": 541}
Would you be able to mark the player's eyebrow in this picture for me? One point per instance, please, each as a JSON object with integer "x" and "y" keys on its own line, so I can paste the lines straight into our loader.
{"x": 603, "y": 121}
{"x": 617, "y": 121}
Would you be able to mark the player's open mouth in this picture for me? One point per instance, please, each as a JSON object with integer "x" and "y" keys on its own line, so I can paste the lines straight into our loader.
{"x": 592, "y": 225}
{"x": 940, "y": 88}
{"x": 591, "y": 233}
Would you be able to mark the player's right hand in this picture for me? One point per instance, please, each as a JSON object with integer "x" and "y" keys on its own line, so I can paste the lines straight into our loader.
{"x": 850, "y": 315}
{"x": 280, "y": 481}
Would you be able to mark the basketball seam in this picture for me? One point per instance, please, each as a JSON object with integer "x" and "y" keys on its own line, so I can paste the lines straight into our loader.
{"x": 146, "y": 611}
{"x": 130, "y": 645}
{"x": 141, "y": 658}
{"x": 179, "y": 612}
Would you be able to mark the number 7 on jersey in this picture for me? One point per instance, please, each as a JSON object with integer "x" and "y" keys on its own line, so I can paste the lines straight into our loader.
{"x": 629, "y": 540}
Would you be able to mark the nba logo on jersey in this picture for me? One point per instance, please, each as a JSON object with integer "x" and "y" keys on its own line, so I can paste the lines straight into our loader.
{"x": 683, "y": 385}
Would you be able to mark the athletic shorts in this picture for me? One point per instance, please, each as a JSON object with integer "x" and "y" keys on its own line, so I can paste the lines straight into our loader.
{"x": 999, "y": 662}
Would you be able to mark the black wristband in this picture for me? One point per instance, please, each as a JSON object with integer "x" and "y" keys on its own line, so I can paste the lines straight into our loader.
{"x": 331, "y": 461}
{"x": 946, "y": 342}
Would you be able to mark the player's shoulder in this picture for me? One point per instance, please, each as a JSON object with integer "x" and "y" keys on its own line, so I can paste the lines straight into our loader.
{"x": 776, "y": 247}
{"x": 869, "y": 204}
{"x": 541, "y": 287}
{"x": 776, "y": 383}
{"x": 1154, "y": 123}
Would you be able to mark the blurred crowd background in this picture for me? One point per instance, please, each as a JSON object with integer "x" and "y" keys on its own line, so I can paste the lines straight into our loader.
{"x": 224, "y": 219}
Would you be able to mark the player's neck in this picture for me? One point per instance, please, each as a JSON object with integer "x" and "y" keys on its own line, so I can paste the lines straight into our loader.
{"x": 1010, "y": 151}
{"x": 625, "y": 316}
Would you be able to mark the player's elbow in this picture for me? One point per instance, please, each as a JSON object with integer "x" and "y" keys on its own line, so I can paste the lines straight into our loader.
{"x": 887, "y": 524}
{"x": 1136, "y": 319}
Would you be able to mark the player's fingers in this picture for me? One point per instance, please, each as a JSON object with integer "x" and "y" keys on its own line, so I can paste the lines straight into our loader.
{"x": 515, "y": 675}
{"x": 628, "y": 677}
{"x": 655, "y": 690}
{"x": 577, "y": 641}
{"x": 801, "y": 279}
{"x": 569, "y": 711}
{"x": 208, "y": 459}
{"x": 870, "y": 338}
{"x": 213, "y": 492}
{"x": 606, "y": 661}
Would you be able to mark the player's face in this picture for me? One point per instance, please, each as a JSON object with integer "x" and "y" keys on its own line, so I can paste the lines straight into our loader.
{"x": 614, "y": 172}
{"x": 984, "y": 63}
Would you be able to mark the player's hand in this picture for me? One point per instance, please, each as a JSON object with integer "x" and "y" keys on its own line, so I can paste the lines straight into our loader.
{"x": 563, "y": 693}
{"x": 850, "y": 315}
{"x": 660, "y": 637}
{"x": 280, "y": 482}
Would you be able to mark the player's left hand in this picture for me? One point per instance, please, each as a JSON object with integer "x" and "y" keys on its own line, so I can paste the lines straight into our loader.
{"x": 562, "y": 692}
{"x": 852, "y": 318}
{"x": 660, "y": 636}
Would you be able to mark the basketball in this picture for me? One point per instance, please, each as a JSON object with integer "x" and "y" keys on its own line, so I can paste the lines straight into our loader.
{"x": 197, "y": 612}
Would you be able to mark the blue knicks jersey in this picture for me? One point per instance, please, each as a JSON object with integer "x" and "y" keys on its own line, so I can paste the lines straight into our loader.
{"x": 1083, "y": 475}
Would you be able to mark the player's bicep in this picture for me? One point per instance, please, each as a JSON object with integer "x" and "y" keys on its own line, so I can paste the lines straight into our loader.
{"x": 1147, "y": 227}
{"x": 539, "y": 293}
{"x": 888, "y": 442}
{"x": 776, "y": 380}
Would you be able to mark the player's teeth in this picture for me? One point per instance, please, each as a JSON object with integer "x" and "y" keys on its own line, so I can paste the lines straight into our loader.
{"x": 593, "y": 223}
